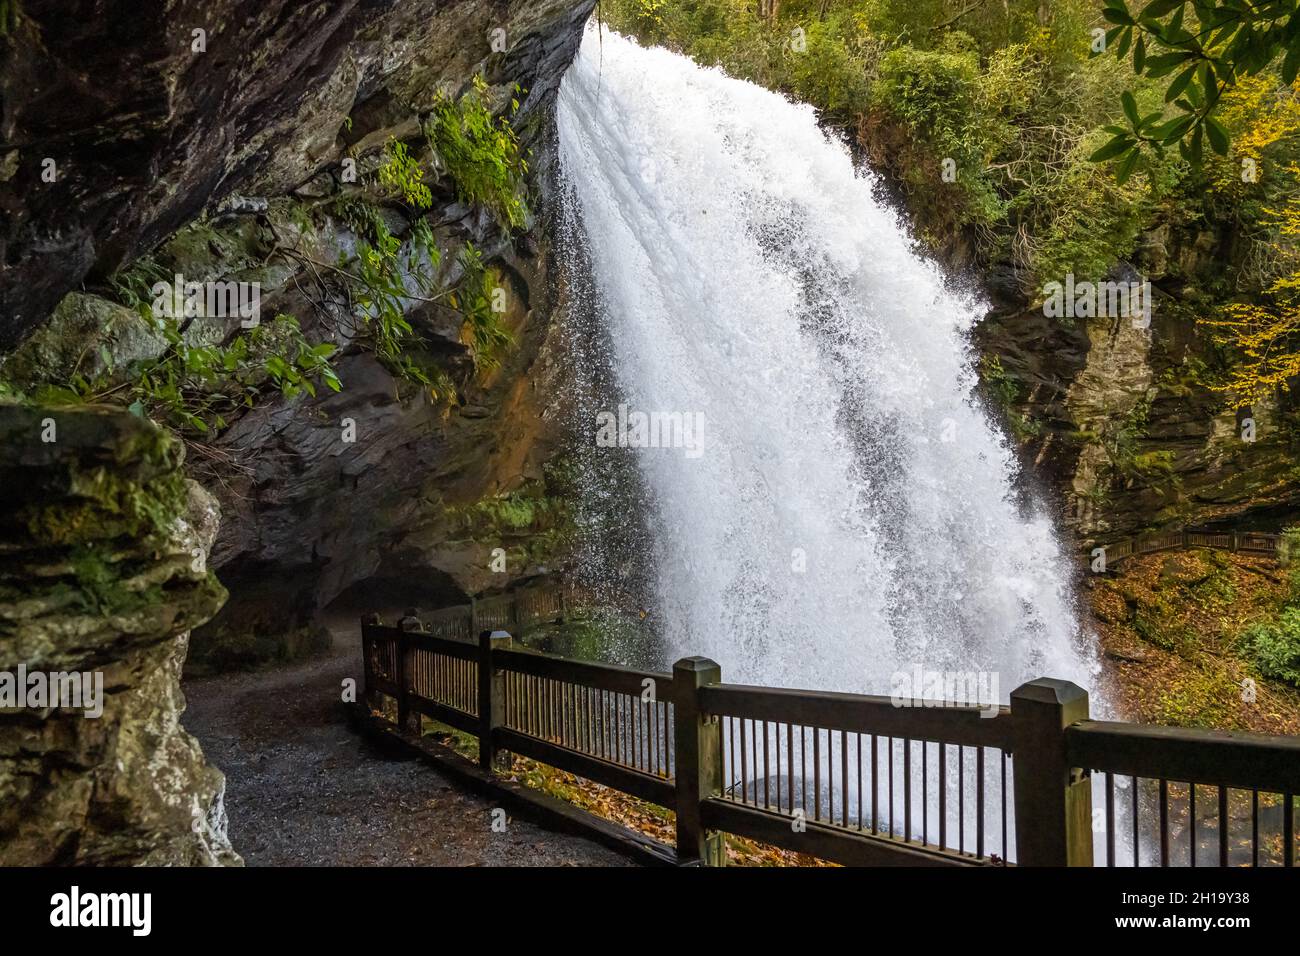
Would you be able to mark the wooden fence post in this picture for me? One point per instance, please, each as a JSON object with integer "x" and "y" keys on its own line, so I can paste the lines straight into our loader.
{"x": 366, "y": 697}
{"x": 1053, "y": 800}
{"x": 491, "y": 695}
{"x": 411, "y": 623}
{"x": 697, "y": 761}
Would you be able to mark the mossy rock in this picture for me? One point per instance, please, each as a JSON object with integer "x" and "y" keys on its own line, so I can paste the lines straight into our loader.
{"x": 87, "y": 336}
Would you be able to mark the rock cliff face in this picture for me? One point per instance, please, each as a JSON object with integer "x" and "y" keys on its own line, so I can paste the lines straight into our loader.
{"x": 1118, "y": 420}
{"x": 124, "y": 119}
{"x": 204, "y": 138}
{"x": 102, "y": 575}
{"x": 211, "y": 152}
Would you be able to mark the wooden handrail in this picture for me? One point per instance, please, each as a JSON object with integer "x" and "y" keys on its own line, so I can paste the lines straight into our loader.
{"x": 1182, "y": 539}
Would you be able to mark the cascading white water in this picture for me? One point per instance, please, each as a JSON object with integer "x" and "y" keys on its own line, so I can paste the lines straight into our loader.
{"x": 852, "y": 514}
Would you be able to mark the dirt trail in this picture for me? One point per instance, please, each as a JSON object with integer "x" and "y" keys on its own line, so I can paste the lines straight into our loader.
{"x": 302, "y": 789}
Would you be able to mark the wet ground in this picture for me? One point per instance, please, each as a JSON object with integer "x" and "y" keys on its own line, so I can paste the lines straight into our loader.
{"x": 303, "y": 790}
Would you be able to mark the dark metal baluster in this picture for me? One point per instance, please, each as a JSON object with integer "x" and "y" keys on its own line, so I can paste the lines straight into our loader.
{"x": 844, "y": 777}
{"x": 961, "y": 798}
{"x": 892, "y": 818}
{"x": 1006, "y": 849}
{"x": 803, "y": 773}
{"x": 830, "y": 776}
{"x": 1164, "y": 822}
{"x": 645, "y": 732}
{"x": 1191, "y": 817}
{"x": 619, "y": 756}
{"x": 875, "y": 787}
{"x": 817, "y": 773}
{"x": 608, "y": 736}
{"x": 744, "y": 764}
{"x": 862, "y": 795}
{"x": 776, "y": 745}
{"x": 562, "y": 689}
{"x": 907, "y": 788}
{"x": 943, "y": 795}
{"x": 925, "y": 791}
{"x": 722, "y": 750}
{"x": 1254, "y": 828}
{"x": 603, "y": 717}
{"x": 767, "y": 797}
{"x": 979, "y": 802}
{"x": 789, "y": 760}
{"x": 1223, "y": 826}
{"x": 1136, "y": 831}
{"x": 731, "y": 752}
{"x": 1288, "y": 829}
{"x": 1110, "y": 819}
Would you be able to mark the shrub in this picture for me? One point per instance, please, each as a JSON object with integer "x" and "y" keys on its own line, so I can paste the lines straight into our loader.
{"x": 1274, "y": 646}
{"x": 480, "y": 152}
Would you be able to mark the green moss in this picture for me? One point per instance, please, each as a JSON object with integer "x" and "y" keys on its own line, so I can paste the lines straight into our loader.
{"x": 104, "y": 506}
{"x": 534, "y": 523}
{"x": 1154, "y": 463}
{"x": 100, "y": 587}
{"x": 1157, "y": 626}
{"x": 1204, "y": 696}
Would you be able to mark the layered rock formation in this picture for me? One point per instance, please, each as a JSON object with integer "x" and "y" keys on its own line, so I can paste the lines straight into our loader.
{"x": 102, "y": 574}
{"x": 245, "y": 128}
{"x": 1118, "y": 419}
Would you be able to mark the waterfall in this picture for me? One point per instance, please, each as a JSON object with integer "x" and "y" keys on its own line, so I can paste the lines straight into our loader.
{"x": 846, "y": 512}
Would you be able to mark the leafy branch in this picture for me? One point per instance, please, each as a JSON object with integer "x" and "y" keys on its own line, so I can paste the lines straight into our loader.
{"x": 1205, "y": 54}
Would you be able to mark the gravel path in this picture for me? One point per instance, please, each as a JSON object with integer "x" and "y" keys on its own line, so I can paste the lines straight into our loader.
{"x": 302, "y": 789}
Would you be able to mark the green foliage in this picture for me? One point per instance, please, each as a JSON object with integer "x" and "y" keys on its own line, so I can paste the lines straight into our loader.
{"x": 1006, "y": 393}
{"x": 937, "y": 95}
{"x": 196, "y": 385}
{"x": 1205, "y": 46}
{"x": 1121, "y": 440}
{"x": 484, "y": 332}
{"x": 1154, "y": 463}
{"x": 133, "y": 286}
{"x": 1274, "y": 646}
{"x": 481, "y": 154}
{"x": 379, "y": 287}
{"x": 1289, "y": 552}
{"x": 534, "y": 523}
{"x": 193, "y": 387}
{"x": 403, "y": 175}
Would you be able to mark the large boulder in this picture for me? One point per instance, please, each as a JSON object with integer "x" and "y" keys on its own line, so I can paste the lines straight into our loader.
{"x": 103, "y": 573}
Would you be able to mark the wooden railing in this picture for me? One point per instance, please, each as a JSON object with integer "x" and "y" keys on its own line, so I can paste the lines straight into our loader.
{"x": 1244, "y": 542}
{"x": 513, "y": 610}
{"x": 845, "y": 777}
